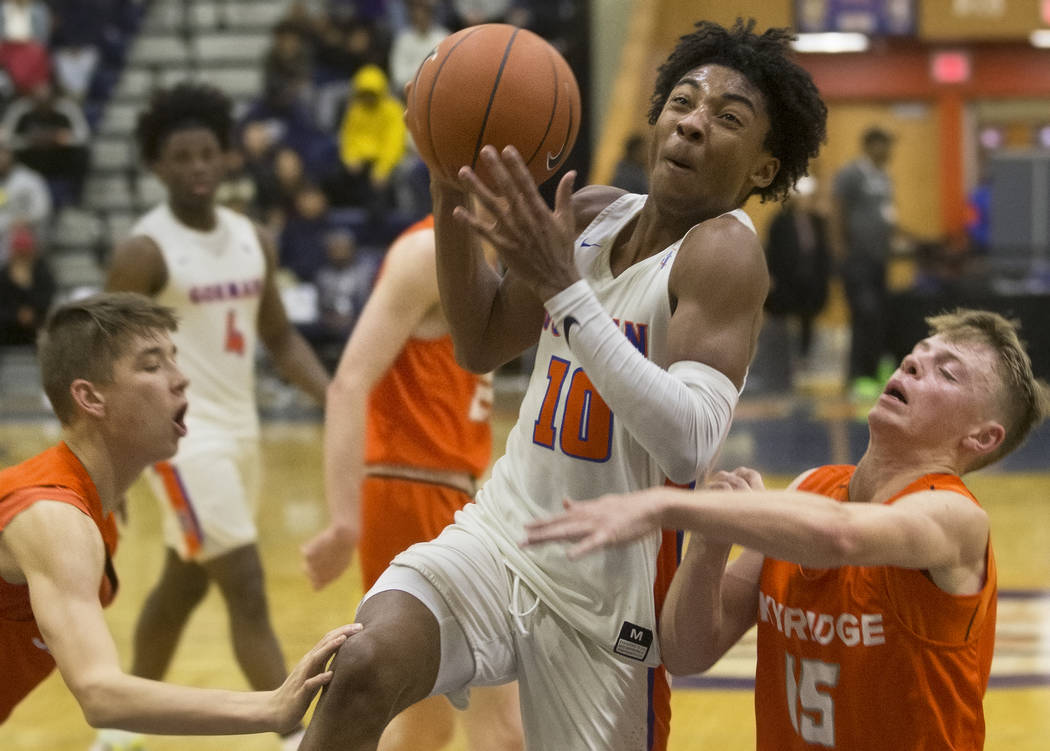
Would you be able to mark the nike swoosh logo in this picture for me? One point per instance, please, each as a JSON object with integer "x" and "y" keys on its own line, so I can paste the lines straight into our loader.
{"x": 568, "y": 323}
{"x": 552, "y": 159}
{"x": 39, "y": 644}
{"x": 585, "y": 244}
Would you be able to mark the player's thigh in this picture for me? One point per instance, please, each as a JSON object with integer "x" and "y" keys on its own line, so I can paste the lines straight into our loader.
{"x": 575, "y": 694}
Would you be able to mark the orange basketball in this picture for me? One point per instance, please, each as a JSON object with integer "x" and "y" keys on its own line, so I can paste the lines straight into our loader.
{"x": 494, "y": 84}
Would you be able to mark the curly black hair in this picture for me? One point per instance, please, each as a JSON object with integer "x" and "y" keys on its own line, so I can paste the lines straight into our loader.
{"x": 185, "y": 105}
{"x": 797, "y": 114}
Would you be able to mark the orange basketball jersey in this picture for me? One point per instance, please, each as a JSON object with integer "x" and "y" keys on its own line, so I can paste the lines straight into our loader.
{"x": 55, "y": 475}
{"x": 869, "y": 658}
{"x": 427, "y": 411}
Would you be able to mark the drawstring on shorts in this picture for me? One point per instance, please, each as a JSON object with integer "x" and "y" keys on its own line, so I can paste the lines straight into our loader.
{"x": 514, "y": 607}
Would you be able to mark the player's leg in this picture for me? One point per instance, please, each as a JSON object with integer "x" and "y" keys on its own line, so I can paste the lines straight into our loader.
{"x": 385, "y": 668}
{"x": 239, "y": 576}
{"x": 493, "y": 720}
{"x": 181, "y": 587}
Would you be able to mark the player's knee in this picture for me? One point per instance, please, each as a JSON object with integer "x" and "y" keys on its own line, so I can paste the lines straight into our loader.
{"x": 365, "y": 676}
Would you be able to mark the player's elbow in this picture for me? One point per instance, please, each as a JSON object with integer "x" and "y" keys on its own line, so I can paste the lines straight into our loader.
{"x": 96, "y": 698}
{"x": 682, "y": 467}
{"x": 473, "y": 359}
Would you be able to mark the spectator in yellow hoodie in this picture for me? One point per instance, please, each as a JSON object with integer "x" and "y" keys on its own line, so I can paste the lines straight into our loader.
{"x": 372, "y": 140}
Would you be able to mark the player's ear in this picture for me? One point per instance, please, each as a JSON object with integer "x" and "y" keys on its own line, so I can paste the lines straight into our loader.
{"x": 88, "y": 398}
{"x": 985, "y": 438}
{"x": 765, "y": 172}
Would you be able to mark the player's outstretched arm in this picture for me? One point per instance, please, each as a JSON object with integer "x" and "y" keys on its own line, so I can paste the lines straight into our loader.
{"x": 405, "y": 293}
{"x": 63, "y": 586}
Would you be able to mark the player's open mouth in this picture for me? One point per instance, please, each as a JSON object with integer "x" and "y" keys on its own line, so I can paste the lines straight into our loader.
{"x": 894, "y": 392}
{"x": 180, "y": 420}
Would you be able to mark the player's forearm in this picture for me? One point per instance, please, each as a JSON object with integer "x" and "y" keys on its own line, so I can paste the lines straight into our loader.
{"x": 344, "y": 436}
{"x": 296, "y": 361}
{"x": 680, "y": 415}
{"x": 691, "y": 635}
{"x": 118, "y": 700}
{"x": 479, "y": 306}
{"x": 788, "y": 525}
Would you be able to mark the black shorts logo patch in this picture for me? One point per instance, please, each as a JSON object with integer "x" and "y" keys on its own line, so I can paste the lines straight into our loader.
{"x": 633, "y": 641}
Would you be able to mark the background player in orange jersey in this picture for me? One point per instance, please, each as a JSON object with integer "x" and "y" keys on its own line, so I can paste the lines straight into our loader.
{"x": 108, "y": 366}
{"x": 874, "y": 587}
{"x": 406, "y": 437}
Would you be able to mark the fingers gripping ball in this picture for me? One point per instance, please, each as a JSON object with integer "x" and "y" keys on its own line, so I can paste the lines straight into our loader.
{"x": 494, "y": 84}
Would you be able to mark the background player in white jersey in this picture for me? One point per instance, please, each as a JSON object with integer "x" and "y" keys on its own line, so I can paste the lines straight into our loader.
{"x": 216, "y": 269}
{"x": 646, "y": 310}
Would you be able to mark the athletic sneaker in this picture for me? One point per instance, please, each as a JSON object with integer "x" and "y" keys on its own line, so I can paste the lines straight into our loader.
{"x": 118, "y": 740}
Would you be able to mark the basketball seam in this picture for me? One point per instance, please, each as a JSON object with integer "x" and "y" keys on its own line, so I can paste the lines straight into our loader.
{"x": 492, "y": 97}
{"x": 554, "y": 111}
{"x": 430, "y": 97}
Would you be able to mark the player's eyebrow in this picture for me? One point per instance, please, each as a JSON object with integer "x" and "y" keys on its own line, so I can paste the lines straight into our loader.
{"x": 729, "y": 95}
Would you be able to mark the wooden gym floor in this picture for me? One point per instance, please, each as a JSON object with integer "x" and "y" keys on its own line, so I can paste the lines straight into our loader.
{"x": 712, "y": 711}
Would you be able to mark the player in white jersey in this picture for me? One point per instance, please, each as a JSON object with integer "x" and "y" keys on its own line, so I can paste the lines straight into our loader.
{"x": 646, "y": 310}
{"x": 215, "y": 268}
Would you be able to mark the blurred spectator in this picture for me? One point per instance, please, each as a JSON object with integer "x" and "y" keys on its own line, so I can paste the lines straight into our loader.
{"x": 27, "y": 288}
{"x": 24, "y": 199}
{"x": 799, "y": 260}
{"x": 237, "y": 189}
{"x": 472, "y": 12}
{"x": 284, "y": 112}
{"x": 287, "y": 63}
{"x": 301, "y": 245}
{"x": 344, "y": 281}
{"x": 25, "y": 29}
{"x": 413, "y": 43}
{"x": 276, "y": 193}
{"x": 49, "y": 133}
{"x": 632, "y": 171}
{"x": 342, "y": 46}
{"x": 343, "y": 284}
{"x": 77, "y": 38}
{"x": 372, "y": 142}
{"x": 863, "y": 231}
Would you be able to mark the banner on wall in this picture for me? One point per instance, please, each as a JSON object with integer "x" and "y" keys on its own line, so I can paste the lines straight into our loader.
{"x": 871, "y": 17}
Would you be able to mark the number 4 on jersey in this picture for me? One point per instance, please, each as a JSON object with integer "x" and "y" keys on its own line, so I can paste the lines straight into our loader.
{"x": 234, "y": 337}
{"x": 586, "y": 421}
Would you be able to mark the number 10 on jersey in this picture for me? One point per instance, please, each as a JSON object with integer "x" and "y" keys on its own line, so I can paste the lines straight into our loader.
{"x": 585, "y": 428}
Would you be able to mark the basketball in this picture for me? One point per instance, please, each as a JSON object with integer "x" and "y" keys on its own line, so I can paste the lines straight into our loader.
{"x": 494, "y": 84}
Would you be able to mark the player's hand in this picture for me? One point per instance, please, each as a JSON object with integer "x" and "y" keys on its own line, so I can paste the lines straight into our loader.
{"x": 741, "y": 478}
{"x": 328, "y": 554}
{"x": 292, "y": 699}
{"x": 532, "y": 241}
{"x": 605, "y": 521}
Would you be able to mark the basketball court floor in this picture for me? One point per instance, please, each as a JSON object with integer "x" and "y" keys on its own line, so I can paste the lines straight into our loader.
{"x": 777, "y": 435}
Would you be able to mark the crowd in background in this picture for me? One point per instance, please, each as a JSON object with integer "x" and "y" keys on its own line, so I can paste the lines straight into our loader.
{"x": 321, "y": 157}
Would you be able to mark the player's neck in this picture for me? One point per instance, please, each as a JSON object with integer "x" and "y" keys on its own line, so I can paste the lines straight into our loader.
{"x": 100, "y": 465}
{"x": 202, "y": 217}
{"x": 880, "y": 476}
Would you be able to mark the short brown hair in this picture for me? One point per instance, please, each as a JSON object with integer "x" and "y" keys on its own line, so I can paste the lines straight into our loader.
{"x": 1023, "y": 399}
{"x": 83, "y": 338}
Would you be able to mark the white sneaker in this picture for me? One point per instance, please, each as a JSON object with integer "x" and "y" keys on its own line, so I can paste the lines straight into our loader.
{"x": 291, "y": 742}
{"x": 118, "y": 740}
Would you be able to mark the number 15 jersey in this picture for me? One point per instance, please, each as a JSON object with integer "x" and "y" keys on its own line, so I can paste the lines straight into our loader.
{"x": 870, "y": 658}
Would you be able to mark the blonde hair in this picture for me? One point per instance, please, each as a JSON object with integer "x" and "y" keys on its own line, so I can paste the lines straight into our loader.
{"x": 1023, "y": 399}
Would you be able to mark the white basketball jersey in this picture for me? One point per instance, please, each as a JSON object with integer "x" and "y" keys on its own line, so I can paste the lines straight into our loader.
{"x": 215, "y": 283}
{"x": 567, "y": 443}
